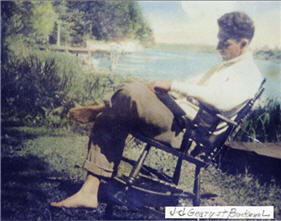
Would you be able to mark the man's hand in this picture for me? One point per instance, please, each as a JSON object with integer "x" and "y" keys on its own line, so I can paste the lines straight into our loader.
{"x": 160, "y": 87}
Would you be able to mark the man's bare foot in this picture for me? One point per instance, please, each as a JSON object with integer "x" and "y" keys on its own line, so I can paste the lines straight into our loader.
{"x": 85, "y": 114}
{"x": 85, "y": 197}
{"x": 79, "y": 199}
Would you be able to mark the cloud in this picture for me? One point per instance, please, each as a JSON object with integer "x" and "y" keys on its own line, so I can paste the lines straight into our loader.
{"x": 268, "y": 29}
{"x": 202, "y": 16}
{"x": 195, "y": 22}
{"x": 201, "y": 26}
{"x": 207, "y": 9}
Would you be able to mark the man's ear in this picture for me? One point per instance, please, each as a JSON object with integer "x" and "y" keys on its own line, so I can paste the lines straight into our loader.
{"x": 244, "y": 42}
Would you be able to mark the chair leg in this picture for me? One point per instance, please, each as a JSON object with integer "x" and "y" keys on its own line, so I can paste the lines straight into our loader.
{"x": 196, "y": 187}
{"x": 108, "y": 214}
{"x": 137, "y": 167}
{"x": 184, "y": 148}
{"x": 177, "y": 172}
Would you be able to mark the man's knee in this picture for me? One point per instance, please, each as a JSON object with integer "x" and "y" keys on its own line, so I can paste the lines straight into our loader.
{"x": 135, "y": 90}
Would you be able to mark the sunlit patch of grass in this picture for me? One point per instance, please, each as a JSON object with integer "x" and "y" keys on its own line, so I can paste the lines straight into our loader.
{"x": 244, "y": 190}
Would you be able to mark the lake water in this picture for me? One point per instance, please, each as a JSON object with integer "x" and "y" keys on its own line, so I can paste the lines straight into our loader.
{"x": 154, "y": 63}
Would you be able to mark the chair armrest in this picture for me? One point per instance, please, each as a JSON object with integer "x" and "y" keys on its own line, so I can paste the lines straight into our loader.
{"x": 213, "y": 111}
{"x": 227, "y": 120}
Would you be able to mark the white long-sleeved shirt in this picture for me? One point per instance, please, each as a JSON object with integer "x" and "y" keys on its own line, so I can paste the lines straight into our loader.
{"x": 232, "y": 83}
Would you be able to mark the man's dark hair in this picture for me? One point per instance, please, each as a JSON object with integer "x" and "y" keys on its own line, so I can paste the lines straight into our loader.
{"x": 237, "y": 25}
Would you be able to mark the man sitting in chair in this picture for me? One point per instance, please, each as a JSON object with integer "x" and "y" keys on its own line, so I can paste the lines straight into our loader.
{"x": 137, "y": 107}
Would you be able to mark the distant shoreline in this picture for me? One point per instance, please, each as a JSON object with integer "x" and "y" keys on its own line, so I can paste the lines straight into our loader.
{"x": 261, "y": 54}
{"x": 268, "y": 54}
{"x": 186, "y": 47}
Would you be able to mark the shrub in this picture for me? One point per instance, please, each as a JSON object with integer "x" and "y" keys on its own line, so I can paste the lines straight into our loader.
{"x": 35, "y": 83}
{"x": 86, "y": 89}
{"x": 89, "y": 88}
{"x": 39, "y": 87}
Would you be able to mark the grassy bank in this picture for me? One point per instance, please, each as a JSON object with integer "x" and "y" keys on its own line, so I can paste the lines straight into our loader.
{"x": 40, "y": 165}
{"x": 263, "y": 125}
{"x": 39, "y": 87}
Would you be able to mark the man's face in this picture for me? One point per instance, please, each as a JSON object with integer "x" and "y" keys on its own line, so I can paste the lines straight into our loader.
{"x": 228, "y": 48}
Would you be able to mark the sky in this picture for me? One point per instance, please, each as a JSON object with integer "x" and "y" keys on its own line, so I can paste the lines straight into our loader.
{"x": 195, "y": 22}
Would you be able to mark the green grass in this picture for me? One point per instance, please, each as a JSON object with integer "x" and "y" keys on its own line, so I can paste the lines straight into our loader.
{"x": 46, "y": 164}
{"x": 264, "y": 124}
{"x": 40, "y": 87}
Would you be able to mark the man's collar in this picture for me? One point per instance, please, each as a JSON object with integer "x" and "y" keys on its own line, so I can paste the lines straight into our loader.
{"x": 246, "y": 55}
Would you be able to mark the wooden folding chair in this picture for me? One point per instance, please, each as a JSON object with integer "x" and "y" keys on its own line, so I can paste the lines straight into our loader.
{"x": 203, "y": 140}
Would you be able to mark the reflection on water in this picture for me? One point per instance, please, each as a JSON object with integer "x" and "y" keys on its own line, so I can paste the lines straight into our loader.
{"x": 177, "y": 64}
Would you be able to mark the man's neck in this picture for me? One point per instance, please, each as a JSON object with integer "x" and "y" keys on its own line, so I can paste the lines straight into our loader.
{"x": 238, "y": 58}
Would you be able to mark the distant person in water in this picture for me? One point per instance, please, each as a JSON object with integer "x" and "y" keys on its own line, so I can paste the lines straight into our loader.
{"x": 137, "y": 107}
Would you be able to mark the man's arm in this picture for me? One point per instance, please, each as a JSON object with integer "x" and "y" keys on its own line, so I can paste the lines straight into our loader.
{"x": 222, "y": 95}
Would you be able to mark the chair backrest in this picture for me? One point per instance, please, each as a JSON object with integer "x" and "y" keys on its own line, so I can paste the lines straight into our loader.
{"x": 210, "y": 128}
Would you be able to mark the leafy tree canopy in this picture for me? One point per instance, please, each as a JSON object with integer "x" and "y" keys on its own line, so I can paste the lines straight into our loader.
{"x": 37, "y": 22}
{"x": 28, "y": 21}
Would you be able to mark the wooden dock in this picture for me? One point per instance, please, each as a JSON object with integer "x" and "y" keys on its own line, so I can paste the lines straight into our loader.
{"x": 79, "y": 50}
{"x": 86, "y": 55}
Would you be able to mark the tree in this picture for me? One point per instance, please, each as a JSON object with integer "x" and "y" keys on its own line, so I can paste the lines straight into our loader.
{"x": 107, "y": 20}
{"x": 37, "y": 22}
{"x": 30, "y": 22}
{"x": 43, "y": 20}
